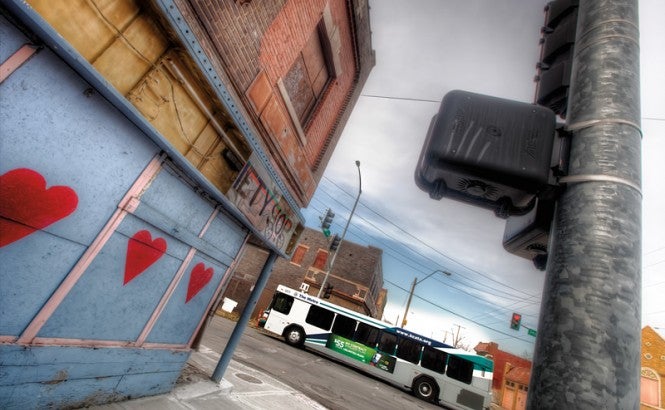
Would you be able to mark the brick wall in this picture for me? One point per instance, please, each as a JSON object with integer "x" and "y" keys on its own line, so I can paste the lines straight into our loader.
{"x": 500, "y": 359}
{"x": 265, "y": 38}
{"x": 355, "y": 263}
{"x": 653, "y": 357}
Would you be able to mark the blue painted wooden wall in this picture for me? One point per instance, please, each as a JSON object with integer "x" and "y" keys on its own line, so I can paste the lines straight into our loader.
{"x": 52, "y": 124}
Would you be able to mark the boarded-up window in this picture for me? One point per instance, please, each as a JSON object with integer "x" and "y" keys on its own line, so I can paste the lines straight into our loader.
{"x": 320, "y": 260}
{"x": 298, "y": 255}
{"x": 649, "y": 388}
{"x": 306, "y": 80}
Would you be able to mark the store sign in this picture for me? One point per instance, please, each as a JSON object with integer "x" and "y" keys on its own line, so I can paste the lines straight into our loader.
{"x": 261, "y": 201}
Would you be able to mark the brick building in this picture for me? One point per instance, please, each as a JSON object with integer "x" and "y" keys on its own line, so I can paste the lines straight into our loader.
{"x": 297, "y": 67}
{"x": 652, "y": 382}
{"x": 511, "y": 375}
{"x": 356, "y": 277}
{"x": 144, "y": 145}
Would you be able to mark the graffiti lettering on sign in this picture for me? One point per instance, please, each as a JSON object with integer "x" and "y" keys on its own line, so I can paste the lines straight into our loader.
{"x": 276, "y": 226}
{"x": 263, "y": 207}
{"x": 26, "y": 205}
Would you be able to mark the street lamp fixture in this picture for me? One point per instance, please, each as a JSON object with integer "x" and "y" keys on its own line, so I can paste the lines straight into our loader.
{"x": 353, "y": 210}
{"x": 413, "y": 287}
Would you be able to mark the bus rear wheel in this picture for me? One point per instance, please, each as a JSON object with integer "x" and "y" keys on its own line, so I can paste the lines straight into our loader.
{"x": 425, "y": 388}
{"x": 294, "y": 336}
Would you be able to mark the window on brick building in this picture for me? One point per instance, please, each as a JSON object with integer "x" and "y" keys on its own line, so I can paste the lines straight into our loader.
{"x": 307, "y": 78}
{"x": 320, "y": 260}
{"x": 304, "y": 85}
{"x": 299, "y": 254}
{"x": 649, "y": 387}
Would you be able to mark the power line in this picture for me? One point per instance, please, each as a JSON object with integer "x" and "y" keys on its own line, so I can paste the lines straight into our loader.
{"x": 459, "y": 315}
{"x": 506, "y": 308}
{"x": 506, "y": 295}
{"x": 399, "y": 98}
{"x": 426, "y": 244}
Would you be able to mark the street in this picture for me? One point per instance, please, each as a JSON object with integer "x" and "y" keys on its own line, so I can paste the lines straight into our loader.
{"x": 332, "y": 384}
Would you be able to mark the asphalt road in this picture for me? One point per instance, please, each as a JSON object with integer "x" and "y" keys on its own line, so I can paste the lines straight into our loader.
{"x": 330, "y": 383}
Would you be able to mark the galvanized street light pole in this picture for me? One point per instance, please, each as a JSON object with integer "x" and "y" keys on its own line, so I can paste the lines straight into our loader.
{"x": 353, "y": 210}
{"x": 587, "y": 354}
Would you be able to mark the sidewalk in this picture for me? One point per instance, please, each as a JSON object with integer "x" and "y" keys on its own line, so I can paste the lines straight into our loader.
{"x": 242, "y": 388}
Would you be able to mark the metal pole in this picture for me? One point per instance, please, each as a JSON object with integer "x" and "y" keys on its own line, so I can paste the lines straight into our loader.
{"x": 587, "y": 353}
{"x": 408, "y": 301}
{"x": 353, "y": 210}
{"x": 413, "y": 288}
{"x": 225, "y": 359}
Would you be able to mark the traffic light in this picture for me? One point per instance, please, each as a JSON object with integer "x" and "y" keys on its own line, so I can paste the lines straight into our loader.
{"x": 527, "y": 235}
{"x": 515, "y": 321}
{"x": 334, "y": 244}
{"x": 327, "y": 291}
{"x": 556, "y": 56}
{"x": 326, "y": 220}
{"x": 489, "y": 152}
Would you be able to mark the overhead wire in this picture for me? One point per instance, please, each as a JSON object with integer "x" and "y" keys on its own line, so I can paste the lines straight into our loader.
{"x": 516, "y": 300}
{"x": 459, "y": 315}
{"x": 333, "y": 197}
{"x": 506, "y": 295}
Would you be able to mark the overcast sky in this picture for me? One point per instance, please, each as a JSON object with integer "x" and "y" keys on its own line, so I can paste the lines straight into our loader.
{"x": 425, "y": 48}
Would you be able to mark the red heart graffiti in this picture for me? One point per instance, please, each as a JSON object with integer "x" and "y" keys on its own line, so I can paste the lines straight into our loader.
{"x": 142, "y": 251}
{"x": 199, "y": 277}
{"x": 26, "y": 205}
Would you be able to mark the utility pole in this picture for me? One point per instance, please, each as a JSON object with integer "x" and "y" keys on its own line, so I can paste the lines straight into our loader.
{"x": 413, "y": 288}
{"x": 456, "y": 338}
{"x": 408, "y": 301}
{"x": 587, "y": 352}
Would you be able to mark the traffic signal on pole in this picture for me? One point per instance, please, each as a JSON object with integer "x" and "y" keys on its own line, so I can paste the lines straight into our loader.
{"x": 516, "y": 321}
{"x": 326, "y": 220}
{"x": 489, "y": 152}
{"x": 556, "y": 56}
{"x": 327, "y": 291}
{"x": 334, "y": 244}
{"x": 528, "y": 235}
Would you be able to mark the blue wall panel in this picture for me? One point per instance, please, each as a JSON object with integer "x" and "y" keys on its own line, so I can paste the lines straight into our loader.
{"x": 177, "y": 202}
{"x": 51, "y": 125}
{"x": 29, "y": 272}
{"x": 225, "y": 236}
{"x": 57, "y": 127}
{"x": 41, "y": 377}
{"x": 175, "y": 325}
{"x": 101, "y": 306}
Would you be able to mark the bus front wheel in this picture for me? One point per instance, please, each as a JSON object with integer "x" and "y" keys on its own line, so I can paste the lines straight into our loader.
{"x": 294, "y": 336}
{"x": 426, "y": 389}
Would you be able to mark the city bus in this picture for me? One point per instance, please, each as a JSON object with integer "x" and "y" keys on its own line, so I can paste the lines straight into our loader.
{"x": 432, "y": 370}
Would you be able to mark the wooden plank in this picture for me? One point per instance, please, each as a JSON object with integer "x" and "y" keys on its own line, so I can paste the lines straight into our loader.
{"x": 89, "y": 26}
{"x": 138, "y": 47}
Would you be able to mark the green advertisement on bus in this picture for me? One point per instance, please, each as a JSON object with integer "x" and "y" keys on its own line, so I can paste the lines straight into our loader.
{"x": 361, "y": 353}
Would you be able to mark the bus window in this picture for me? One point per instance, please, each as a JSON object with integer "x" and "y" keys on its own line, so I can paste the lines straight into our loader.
{"x": 344, "y": 326}
{"x": 460, "y": 369}
{"x": 319, "y": 317}
{"x": 433, "y": 359}
{"x": 387, "y": 342}
{"x": 282, "y": 303}
{"x": 367, "y": 334}
{"x": 409, "y": 350}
